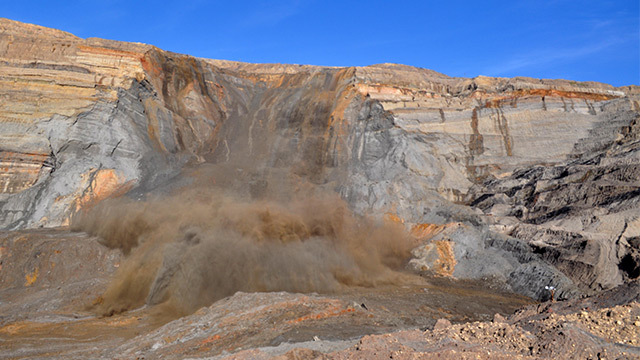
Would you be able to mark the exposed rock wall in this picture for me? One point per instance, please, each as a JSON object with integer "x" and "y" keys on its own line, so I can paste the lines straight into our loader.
{"x": 60, "y": 94}
{"x": 86, "y": 119}
{"x": 581, "y": 215}
{"x": 484, "y": 127}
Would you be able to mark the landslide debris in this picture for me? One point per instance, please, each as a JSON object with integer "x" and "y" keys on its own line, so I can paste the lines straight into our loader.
{"x": 52, "y": 315}
{"x": 592, "y": 328}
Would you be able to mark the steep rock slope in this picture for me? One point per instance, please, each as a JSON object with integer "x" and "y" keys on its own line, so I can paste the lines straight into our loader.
{"x": 85, "y": 120}
{"x": 581, "y": 215}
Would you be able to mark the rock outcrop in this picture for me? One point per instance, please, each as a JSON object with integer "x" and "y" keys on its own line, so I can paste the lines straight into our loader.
{"x": 582, "y": 215}
{"x": 88, "y": 119}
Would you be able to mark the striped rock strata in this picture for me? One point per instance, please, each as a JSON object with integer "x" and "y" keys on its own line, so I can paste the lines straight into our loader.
{"x": 86, "y": 119}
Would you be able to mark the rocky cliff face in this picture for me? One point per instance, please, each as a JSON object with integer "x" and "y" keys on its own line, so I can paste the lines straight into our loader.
{"x": 549, "y": 167}
{"x": 581, "y": 214}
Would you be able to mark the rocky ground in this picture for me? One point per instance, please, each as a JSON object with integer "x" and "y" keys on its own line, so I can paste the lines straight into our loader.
{"x": 56, "y": 279}
{"x": 52, "y": 283}
{"x": 593, "y": 328}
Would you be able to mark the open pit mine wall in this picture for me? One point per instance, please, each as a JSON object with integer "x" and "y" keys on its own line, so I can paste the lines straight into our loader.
{"x": 82, "y": 120}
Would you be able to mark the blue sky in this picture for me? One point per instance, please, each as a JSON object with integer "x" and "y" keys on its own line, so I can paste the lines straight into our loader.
{"x": 570, "y": 39}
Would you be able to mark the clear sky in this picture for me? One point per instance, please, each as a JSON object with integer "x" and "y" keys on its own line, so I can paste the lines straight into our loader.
{"x": 570, "y": 39}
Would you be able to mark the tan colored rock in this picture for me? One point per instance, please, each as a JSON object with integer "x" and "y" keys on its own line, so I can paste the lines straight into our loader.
{"x": 442, "y": 324}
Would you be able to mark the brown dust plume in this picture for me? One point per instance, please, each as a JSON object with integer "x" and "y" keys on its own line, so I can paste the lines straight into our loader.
{"x": 200, "y": 245}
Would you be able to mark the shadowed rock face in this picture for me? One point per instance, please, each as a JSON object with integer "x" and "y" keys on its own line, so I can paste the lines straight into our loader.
{"x": 88, "y": 119}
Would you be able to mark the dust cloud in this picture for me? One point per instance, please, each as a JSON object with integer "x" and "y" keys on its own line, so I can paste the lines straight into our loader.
{"x": 202, "y": 244}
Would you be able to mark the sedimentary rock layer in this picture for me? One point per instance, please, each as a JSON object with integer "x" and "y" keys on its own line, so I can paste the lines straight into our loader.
{"x": 86, "y": 119}
{"x": 583, "y": 214}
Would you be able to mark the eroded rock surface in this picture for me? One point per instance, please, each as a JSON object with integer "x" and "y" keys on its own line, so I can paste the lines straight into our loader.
{"x": 46, "y": 272}
{"x": 88, "y": 119}
{"x": 581, "y": 215}
{"x": 520, "y": 183}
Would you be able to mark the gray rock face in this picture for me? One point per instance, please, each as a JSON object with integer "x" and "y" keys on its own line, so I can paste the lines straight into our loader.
{"x": 549, "y": 167}
{"x": 109, "y": 136}
{"x": 581, "y": 215}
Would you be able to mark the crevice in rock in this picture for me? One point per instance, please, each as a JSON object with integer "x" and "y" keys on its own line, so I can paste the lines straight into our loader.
{"x": 115, "y": 147}
{"x": 630, "y": 265}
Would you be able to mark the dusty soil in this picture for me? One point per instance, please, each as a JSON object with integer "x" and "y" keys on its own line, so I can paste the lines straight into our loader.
{"x": 589, "y": 328}
{"x": 51, "y": 279}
